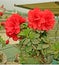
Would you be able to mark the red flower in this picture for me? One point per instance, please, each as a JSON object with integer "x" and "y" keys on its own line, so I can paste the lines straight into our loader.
{"x": 41, "y": 20}
{"x": 1, "y": 13}
{"x": 12, "y": 26}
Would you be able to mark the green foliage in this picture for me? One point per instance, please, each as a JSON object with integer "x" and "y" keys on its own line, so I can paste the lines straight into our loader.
{"x": 26, "y": 59}
{"x": 1, "y": 27}
{"x": 55, "y": 46}
{"x": 2, "y": 42}
{"x": 32, "y": 43}
{"x": 24, "y": 32}
{"x": 33, "y": 35}
{"x": 55, "y": 49}
{"x": 42, "y": 46}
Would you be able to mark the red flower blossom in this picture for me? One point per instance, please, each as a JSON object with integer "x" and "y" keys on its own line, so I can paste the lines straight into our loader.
{"x": 1, "y": 13}
{"x": 41, "y": 20}
{"x": 12, "y": 26}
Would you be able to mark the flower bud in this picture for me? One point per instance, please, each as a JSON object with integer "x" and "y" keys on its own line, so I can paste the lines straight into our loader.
{"x": 2, "y": 23}
{"x": 7, "y": 41}
{"x": 1, "y": 13}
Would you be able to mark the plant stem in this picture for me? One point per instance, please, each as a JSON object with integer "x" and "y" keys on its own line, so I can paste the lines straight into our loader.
{"x": 42, "y": 56}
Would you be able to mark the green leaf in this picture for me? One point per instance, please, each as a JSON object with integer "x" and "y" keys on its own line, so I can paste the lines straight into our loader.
{"x": 28, "y": 48}
{"x": 35, "y": 41}
{"x": 42, "y": 46}
{"x": 56, "y": 56}
{"x": 33, "y": 35}
{"x": 26, "y": 41}
{"x": 55, "y": 46}
{"x": 2, "y": 42}
{"x": 24, "y": 32}
{"x": 1, "y": 27}
{"x": 39, "y": 47}
{"x": 42, "y": 41}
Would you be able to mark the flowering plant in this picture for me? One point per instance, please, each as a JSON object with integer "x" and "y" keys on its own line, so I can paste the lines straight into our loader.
{"x": 31, "y": 33}
{"x": 2, "y": 9}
